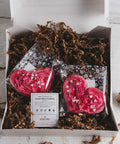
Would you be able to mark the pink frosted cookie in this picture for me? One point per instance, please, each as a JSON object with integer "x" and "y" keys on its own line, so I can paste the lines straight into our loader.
{"x": 32, "y": 82}
{"x": 80, "y": 99}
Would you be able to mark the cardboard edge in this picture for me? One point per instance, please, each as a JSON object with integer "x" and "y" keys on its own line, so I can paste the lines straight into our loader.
{"x": 5, "y": 111}
{"x": 7, "y": 59}
{"x": 57, "y": 132}
{"x": 111, "y": 94}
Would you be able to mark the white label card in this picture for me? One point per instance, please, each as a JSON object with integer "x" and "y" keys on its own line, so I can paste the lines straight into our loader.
{"x": 45, "y": 107}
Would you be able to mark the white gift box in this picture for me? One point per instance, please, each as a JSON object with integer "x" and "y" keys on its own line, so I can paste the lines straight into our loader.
{"x": 82, "y": 16}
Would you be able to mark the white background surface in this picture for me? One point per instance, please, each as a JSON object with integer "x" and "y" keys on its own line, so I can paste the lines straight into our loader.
{"x": 4, "y": 8}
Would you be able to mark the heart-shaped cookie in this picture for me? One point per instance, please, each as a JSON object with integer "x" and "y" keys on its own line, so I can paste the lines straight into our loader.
{"x": 80, "y": 99}
{"x": 38, "y": 81}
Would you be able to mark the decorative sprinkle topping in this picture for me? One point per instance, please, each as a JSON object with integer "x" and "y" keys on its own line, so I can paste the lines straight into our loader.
{"x": 31, "y": 85}
{"x": 67, "y": 86}
{"x": 74, "y": 100}
{"x": 77, "y": 83}
{"x": 95, "y": 100}
{"x": 39, "y": 86}
{"x": 35, "y": 74}
{"x": 32, "y": 75}
{"x": 67, "y": 90}
{"x": 71, "y": 81}
{"x": 94, "y": 110}
{"x": 38, "y": 82}
{"x": 92, "y": 106}
{"x": 91, "y": 96}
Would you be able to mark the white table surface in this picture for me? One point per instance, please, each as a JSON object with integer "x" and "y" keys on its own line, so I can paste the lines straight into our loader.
{"x": 5, "y": 23}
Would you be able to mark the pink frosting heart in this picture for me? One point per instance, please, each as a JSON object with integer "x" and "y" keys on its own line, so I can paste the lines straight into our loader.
{"x": 38, "y": 81}
{"x": 80, "y": 99}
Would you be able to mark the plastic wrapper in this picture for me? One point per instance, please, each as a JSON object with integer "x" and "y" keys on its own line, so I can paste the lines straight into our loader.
{"x": 33, "y": 74}
{"x": 84, "y": 89}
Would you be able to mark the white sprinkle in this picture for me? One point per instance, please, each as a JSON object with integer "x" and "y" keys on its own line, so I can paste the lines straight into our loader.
{"x": 67, "y": 86}
{"x": 43, "y": 84}
{"x": 23, "y": 74}
{"x": 92, "y": 106}
{"x": 71, "y": 81}
{"x": 38, "y": 82}
{"x": 35, "y": 78}
{"x": 77, "y": 83}
{"x": 32, "y": 75}
{"x": 31, "y": 85}
{"x": 95, "y": 100}
{"x": 39, "y": 86}
{"x": 94, "y": 110}
{"x": 27, "y": 74}
{"x": 35, "y": 74}
{"x": 75, "y": 100}
{"x": 68, "y": 90}
{"x": 91, "y": 96}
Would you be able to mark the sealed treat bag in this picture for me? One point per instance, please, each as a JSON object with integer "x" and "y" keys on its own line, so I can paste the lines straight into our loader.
{"x": 33, "y": 74}
{"x": 85, "y": 89}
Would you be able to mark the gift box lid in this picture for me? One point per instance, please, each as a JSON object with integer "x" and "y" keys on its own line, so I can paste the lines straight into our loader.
{"x": 79, "y": 14}
{"x": 112, "y": 11}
